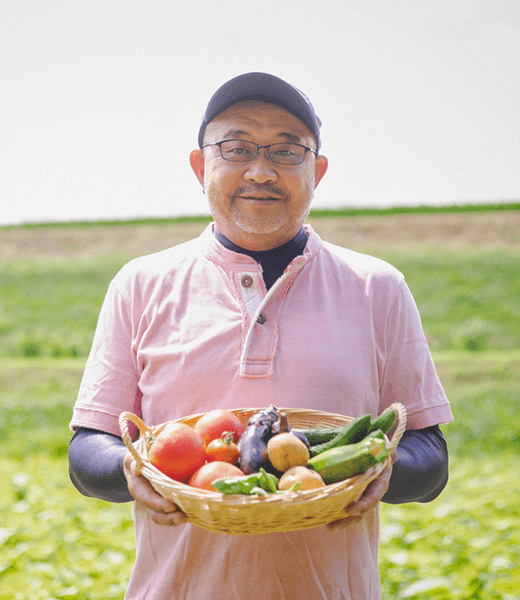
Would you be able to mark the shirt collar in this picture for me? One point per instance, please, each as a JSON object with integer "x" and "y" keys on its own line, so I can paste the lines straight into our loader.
{"x": 237, "y": 261}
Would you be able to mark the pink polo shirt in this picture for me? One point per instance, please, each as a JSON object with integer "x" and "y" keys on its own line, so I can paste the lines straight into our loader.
{"x": 179, "y": 333}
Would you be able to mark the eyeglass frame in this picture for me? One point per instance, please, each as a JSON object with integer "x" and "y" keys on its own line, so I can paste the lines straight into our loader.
{"x": 258, "y": 148}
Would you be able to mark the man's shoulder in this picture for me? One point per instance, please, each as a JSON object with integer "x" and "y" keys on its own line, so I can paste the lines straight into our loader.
{"x": 363, "y": 265}
{"x": 161, "y": 264}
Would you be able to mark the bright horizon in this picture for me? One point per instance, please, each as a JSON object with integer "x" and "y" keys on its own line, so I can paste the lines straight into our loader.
{"x": 100, "y": 103}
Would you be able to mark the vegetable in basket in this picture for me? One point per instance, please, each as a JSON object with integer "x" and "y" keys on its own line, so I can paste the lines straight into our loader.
{"x": 308, "y": 479}
{"x": 286, "y": 451}
{"x": 252, "y": 445}
{"x": 384, "y": 422}
{"x": 214, "y": 423}
{"x": 351, "y": 434}
{"x": 322, "y": 435}
{"x": 203, "y": 477}
{"x": 223, "y": 448}
{"x": 253, "y": 483}
{"x": 343, "y": 462}
{"x": 282, "y": 426}
{"x": 178, "y": 451}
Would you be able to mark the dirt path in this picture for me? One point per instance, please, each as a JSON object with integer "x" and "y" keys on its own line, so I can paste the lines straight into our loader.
{"x": 449, "y": 231}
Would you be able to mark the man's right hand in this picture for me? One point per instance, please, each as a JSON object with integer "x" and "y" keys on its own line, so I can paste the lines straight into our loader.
{"x": 161, "y": 511}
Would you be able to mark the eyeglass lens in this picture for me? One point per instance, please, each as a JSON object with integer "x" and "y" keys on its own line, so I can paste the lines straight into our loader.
{"x": 243, "y": 151}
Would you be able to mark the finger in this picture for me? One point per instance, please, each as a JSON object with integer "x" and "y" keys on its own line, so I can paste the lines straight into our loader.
{"x": 169, "y": 519}
{"x": 340, "y": 524}
{"x": 370, "y": 498}
{"x": 160, "y": 510}
{"x": 373, "y": 493}
{"x": 143, "y": 491}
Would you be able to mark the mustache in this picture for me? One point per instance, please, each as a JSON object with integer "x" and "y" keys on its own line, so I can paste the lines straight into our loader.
{"x": 259, "y": 190}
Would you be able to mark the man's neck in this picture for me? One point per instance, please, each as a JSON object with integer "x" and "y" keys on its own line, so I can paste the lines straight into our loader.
{"x": 273, "y": 261}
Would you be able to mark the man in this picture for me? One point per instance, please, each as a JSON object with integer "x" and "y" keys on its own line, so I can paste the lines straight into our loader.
{"x": 258, "y": 310}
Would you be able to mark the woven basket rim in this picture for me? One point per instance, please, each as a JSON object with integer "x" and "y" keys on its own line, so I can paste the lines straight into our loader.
{"x": 248, "y": 515}
{"x": 154, "y": 475}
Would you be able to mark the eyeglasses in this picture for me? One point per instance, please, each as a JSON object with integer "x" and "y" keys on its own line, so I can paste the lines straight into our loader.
{"x": 243, "y": 151}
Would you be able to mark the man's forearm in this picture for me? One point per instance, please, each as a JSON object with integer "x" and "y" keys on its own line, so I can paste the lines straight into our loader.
{"x": 96, "y": 465}
{"x": 420, "y": 472}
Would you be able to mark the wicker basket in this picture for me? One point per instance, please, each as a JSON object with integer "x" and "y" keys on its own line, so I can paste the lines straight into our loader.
{"x": 246, "y": 515}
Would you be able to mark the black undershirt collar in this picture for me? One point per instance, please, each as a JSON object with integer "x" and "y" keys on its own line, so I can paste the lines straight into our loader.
{"x": 273, "y": 261}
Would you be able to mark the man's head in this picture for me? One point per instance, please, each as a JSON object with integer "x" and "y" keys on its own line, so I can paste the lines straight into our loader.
{"x": 262, "y": 87}
{"x": 259, "y": 197}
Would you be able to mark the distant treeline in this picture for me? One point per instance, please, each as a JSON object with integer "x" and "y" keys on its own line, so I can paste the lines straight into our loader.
{"x": 326, "y": 212}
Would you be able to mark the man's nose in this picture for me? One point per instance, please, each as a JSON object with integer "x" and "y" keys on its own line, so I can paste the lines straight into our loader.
{"x": 261, "y": 169}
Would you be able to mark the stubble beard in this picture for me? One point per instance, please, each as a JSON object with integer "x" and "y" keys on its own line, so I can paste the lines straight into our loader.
{"x": 256, "y": 224}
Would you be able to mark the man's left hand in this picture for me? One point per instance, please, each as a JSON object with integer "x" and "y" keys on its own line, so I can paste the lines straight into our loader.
{"x": 372, "y": 495}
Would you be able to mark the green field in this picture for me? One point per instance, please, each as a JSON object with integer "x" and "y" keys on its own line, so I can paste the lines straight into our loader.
{"x": 465, "y": 545}
{"x": 50, "y": 308}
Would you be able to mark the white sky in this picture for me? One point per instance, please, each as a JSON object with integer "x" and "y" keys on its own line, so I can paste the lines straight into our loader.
{"x": 101, "y": 101}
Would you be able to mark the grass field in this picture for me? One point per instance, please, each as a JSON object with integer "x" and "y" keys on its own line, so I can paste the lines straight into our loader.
{"x": 55, "y": 544}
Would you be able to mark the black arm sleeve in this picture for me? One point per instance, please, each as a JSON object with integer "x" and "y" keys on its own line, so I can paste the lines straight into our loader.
{"x": 96, "y": 465}
{"x": 420, "y": 472}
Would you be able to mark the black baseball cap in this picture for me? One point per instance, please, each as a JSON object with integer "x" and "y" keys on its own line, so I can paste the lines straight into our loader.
{"x": 262, "y": 87}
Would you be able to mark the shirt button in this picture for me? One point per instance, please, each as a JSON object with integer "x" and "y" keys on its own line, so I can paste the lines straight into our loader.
{"x": 261, "y": 319}
{"x": 247, "y": 281}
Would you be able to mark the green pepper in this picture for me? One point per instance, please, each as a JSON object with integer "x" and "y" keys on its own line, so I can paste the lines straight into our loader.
{"x": 247, "y": 484}
{"x": 268, "y": 481}
{"x": 258, "y": 491}
{"x": 242, "y": 484}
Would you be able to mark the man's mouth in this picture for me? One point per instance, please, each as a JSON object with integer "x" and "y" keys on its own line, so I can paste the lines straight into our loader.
{"x": 260, "y": 196}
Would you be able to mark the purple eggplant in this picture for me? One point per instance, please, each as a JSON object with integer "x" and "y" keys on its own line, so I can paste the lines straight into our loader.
{"x": 252, "y": 444}
{"x": 282, "y": 426}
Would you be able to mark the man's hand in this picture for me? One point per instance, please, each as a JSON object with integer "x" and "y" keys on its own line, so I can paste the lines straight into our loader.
{"x": 372, "y": 495}
{"x": 161, "y": 511}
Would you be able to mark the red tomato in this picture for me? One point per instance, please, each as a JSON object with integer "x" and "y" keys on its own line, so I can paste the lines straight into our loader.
{"x": 203, "y": 477}
{"x": 178, "y": 451}
{"x": 213, "y": 424}
{"x": 223, "y": 449}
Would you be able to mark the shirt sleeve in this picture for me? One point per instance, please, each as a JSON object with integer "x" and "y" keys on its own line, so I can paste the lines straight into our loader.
{"x": 110, "y": 383}
{"x": 408, "y": 374}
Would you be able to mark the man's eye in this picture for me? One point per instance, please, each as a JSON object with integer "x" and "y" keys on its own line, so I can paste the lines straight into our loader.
{"x": 237, "y": 150}
{"x": 284, "y": 153}
{"x": 240, "y": 151}
{"x": 285, "y": 150}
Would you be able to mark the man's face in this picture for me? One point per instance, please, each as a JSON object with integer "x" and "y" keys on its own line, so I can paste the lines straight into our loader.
{"x": 259, "y": 204}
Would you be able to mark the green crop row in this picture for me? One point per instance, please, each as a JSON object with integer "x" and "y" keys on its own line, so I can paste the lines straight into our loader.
{"x": 50, "y": 309}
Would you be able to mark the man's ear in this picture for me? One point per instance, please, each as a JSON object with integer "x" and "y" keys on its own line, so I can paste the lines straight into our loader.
{"x": 197, "y": 165}
{"x": 320, "y": 168}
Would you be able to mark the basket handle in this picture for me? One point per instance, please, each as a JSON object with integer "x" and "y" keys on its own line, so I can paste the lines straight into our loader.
{"x": 124, "y": 417}
{"x": 401, "y": 425}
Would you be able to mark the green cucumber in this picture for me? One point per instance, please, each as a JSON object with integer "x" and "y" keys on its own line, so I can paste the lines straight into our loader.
{"x": 384, "y": 422}
{"x": 321, "y": 435}
{"x": 353, "y": 433}
{"x": 343, "y": 462}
